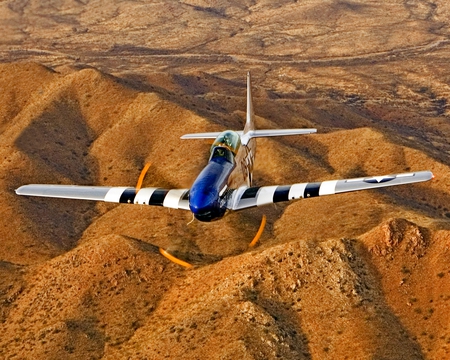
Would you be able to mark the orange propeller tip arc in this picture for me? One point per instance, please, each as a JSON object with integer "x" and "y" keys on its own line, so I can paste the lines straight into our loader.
{"x": 142, "y": 175}
{"x": 174, "y": 259}
{"x": 259, "y": 233}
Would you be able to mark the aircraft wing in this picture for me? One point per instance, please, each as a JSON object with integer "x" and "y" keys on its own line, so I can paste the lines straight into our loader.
{"x": 175, "y": 198}
{"x": 246, "y": 197}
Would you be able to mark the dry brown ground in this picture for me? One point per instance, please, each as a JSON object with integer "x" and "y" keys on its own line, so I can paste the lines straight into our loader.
{"x": 362, "y": 275}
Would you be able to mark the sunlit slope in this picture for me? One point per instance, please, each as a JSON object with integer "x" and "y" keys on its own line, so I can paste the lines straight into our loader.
{"x": 412, "y": 265}
{"x": 81, "y": 279}
{"x": 82, "y": 128}
{"x": 94, "y": 295}
{"x": 303, "y": 300}
{"x": 86, "y": 127}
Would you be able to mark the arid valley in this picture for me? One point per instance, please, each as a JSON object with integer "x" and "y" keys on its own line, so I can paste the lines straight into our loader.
{"x": 93, "y": 90}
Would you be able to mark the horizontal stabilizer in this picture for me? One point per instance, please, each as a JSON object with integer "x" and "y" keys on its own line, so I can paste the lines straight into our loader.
{"x": 175, "y": 198}
{"x": 253, "y": 133}
{"x": 279, "y": 132}
{"x": 207, "y": 135}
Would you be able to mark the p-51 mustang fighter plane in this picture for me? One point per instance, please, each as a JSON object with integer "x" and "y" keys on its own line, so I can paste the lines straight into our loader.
{"x": 225, "y": 184}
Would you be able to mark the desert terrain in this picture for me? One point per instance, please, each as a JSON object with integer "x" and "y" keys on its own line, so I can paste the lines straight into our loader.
{"x": 93, "y": 90}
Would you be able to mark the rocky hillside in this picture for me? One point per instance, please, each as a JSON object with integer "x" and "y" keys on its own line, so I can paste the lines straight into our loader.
{"x": 362, "y": 273}
{"x": 91, "y": 91}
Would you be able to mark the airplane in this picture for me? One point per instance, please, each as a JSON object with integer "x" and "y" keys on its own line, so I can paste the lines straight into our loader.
{"x": 225, "y": 183}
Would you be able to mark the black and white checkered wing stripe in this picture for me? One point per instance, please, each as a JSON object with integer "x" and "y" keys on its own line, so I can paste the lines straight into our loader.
{"x": 176, "y": 198}
{"x": 244, "y": 197}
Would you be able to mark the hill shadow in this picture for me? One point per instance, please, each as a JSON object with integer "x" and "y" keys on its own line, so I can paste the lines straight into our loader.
{"x": 397, "y": 339}
{"x": 222, "y": 102}
{"x": 57, "y": 142}
{"x": 285, "y": 323}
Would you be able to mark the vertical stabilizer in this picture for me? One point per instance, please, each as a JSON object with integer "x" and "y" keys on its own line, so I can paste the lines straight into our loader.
{"x": 249, "y": 124}
{"x": 246, "y": 158}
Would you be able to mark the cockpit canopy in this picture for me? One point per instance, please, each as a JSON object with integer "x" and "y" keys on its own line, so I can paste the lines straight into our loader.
{"x": 228, "y": 139}
{"x": 221, "y": 152}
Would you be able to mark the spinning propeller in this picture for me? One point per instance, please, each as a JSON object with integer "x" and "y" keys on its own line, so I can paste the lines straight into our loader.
{"x": 174, "y": 259}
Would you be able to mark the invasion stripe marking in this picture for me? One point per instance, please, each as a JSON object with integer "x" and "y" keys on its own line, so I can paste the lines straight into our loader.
{"x": 297, "y": 191}
{"x": 312, "y": 189}
{"x": 184, "y": 201}
{"x": 328, "y": 187}
{"x": 128, "y": 196}
{"x": 173, "y": 198}
{"x": 114, "y": 194}
{"x": 143, "y": 196}
{"x": 250, "y": 193}
{"x": 158, "y": 196}
{"x": 265, "y": 195}
{"x": 281, "y": 193}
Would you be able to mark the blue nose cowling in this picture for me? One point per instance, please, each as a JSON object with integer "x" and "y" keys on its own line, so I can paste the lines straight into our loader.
{"x": 204, "y": 199}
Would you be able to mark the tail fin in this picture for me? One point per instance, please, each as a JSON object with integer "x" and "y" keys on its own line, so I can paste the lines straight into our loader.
{"x": 249, "y": 128}
{"x": 249, "y": 131}
{"x": 249, "y": 123}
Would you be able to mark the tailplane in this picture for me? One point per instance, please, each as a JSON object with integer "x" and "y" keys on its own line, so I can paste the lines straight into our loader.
{"x": 253, "y": 133}
{"x": 249, "y": 131}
